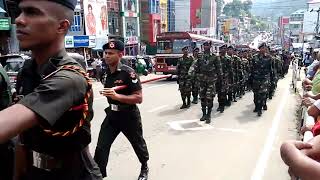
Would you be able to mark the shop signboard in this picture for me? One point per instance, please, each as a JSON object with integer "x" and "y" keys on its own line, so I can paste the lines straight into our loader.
{"x": 80, "y": 41}
{"x": 5, "y": 24}
{"x": 96, "y": 17}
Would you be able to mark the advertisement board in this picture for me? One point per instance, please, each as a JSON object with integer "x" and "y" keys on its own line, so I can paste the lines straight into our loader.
{"x": 80, "y": 41}
{"x": 96, "y": 17}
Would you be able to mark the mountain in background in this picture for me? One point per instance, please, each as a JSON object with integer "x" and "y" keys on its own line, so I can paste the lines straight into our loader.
{"x": 277, "y": 8}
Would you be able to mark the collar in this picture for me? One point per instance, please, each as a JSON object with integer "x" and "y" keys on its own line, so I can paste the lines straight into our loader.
{"x": 60, "y": 59}
{"x": 119, "y": 66}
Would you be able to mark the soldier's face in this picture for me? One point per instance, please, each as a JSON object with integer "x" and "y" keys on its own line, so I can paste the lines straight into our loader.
{"x": 196, "y": 52}
{"x": 36, "y": 27}
{"x": 230, "y": 51}
{"x": 223, "y": 50}
{"x": 263, "y": 50}
{"x": 185, "y": 51}
{"x": 206, "y": 47}
{"x": 112, "y": 56}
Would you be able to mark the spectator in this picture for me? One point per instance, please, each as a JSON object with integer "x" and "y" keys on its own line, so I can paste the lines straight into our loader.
{"x": 98, "y": 63}
{"x": 308, "y": 59}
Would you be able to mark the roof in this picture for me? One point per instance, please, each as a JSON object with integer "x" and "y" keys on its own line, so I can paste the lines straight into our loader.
{"x": 300, "y": 11}
{"x": 313, "y": 1}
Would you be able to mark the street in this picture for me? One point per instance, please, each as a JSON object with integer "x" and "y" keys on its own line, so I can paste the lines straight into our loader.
{"x": 237, "y": 145}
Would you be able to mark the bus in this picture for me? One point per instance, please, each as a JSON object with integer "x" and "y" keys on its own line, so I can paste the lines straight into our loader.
{"x": 169, "y": 45}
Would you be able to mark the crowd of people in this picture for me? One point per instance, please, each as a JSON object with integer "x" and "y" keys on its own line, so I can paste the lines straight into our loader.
{"x": 230, "y": 75}
{"x": 303, "y": 157}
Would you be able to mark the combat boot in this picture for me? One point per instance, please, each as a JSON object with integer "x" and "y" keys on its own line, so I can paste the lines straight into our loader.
{"x": 144, "y": 172}
{"x": 188, "y": 102}
{"x": 204, "y": 114}
{"x": 265, "y": 107}
{"x": 259, "y": 113}
{"x": 255, "y": 109}
{"x": 195, "y": 100}
{"x": 208, "y": 117}
{"x": 184, "y": 105}
{"x": 228, "y": 103}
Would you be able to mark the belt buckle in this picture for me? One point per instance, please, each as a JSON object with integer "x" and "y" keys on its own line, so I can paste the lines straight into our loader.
{"x": 114, "y": 107}
{"x": 40, "y": 161}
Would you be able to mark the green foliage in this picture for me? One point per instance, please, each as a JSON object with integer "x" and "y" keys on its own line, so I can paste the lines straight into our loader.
{"x": 220, "y": 4}
{"x": 236, "y": 8}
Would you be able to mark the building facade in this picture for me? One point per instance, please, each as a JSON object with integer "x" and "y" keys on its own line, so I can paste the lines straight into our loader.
{"x": 296, "y": 26}
{"x": 171, "y": 15}
{"x": 150, "y": 24}
{"x": 164, "y": 15}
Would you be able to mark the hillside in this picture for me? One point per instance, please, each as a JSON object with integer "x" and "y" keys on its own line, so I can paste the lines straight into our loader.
{"x": 276, "y": 8}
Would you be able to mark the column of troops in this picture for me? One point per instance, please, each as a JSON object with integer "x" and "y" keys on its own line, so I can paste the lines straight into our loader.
{"x": 230, "y": 75}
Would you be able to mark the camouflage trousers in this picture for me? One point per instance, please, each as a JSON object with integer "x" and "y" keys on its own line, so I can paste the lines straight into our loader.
{"x": 260, "y": 91}
{"x": 222, "y": 88}
{"x": 185, "y": 87}
{"x": 207, "y": 93}
{"x": 195, "y": 87}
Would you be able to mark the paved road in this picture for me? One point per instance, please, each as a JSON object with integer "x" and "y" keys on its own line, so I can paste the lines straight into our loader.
{"x": 237, "y": 145}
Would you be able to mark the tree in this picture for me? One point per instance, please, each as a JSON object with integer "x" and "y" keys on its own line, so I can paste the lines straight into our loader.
{"x": 220, "y": 4}
{"x": 236, "y": 8}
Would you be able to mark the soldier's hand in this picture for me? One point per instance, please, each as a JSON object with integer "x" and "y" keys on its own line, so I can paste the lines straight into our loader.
{"x": 109, "y": 92}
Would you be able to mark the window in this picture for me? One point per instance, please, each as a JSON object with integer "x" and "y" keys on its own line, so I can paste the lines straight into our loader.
{"x": 76, "y": 24}
{"x": 164, "y": 47}
{"x": 179, "y": 44}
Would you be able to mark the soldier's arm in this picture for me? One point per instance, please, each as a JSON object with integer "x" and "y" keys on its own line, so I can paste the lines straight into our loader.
{"x": 14, "y": 120}
{"x": 219, "y": 68}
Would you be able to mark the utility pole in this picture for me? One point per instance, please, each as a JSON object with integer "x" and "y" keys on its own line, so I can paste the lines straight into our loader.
{"x": 317, "y": 25}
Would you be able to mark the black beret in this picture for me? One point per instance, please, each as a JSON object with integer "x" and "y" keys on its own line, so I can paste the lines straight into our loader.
{"x": 207, "y": 43}
{"x": 262, "y": 45}
{"x": 196, "y": 49}
{"x": 114, "y": 44}
{"x": 224, "y": 46}
{"x": 231, "y": 47}
{"x": 186, "y": 47}
{"x": 71, "y": 4}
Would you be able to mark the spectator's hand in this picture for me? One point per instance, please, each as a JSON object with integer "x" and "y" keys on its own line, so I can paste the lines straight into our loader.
{"x": 306, "y": 128}
{"x": 314, "y": 152}
{"x": 109, "y": 92}
{"x": 307, "y": 84}
{"x": 308, "y": 95}
{"x": 306, "y": 101}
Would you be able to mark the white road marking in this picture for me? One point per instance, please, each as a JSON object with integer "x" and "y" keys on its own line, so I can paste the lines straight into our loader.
{"x": 155, "y": 86}
{"x": 157, "y": 108}
{"x": 177, "y": 125}
{"x": 258, "y": 172}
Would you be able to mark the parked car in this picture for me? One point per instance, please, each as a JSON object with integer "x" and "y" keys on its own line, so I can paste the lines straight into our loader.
{"x": 12, "y": 63}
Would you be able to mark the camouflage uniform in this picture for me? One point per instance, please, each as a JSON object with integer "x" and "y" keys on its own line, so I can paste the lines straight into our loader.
{"x": 261, "y": 75}
{"x": 208, "y": 70}
{"x": 194, "y": 81}
{"x": 237, "y": 76}
{"x": 244, "y": 66}
{"x": 224, "y": 86}
{"x": 184, "y": 79}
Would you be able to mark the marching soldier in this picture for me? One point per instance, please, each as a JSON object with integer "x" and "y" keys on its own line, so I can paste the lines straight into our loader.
{"x": 261, "y": 74}
{"x": 223, "y": 86}
{"x": 54, "y": 114}
{"x": 184, "y": 79}
{"x": 235, "y": 68}
{"x": 123, "y": 114}
{"x": 208, "y": 69}
{"x": 195, "y": 81}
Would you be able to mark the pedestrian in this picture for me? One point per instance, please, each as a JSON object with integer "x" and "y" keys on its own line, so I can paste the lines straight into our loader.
{"x": 184, "y": 79}
{"x": 54, "y": 114}
{"x": 122, "y": 115}
{"x": 261, "y": 75}
{"x": 224, "y": 85}
{"x": 209, "y": 71}
{"x": 7, "y": 148}
{"x": 98, "y": 69}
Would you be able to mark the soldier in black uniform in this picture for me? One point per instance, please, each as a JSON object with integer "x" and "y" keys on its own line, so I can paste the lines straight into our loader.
{"x": 54, "y": 114}
{"x": 123, "y": 114}
{"x": 6, "y": 149}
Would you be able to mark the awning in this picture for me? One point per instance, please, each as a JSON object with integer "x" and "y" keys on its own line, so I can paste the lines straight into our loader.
{"x": 2, "y": 10}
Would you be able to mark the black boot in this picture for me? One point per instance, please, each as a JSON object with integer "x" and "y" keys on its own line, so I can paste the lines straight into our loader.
{"x": 220, "y": 108}
{"x": 265, "y": 107}
{"x": 204, "y": 114}
{"x": 234, "y": 98}
{"x": 188, "y": 101}
{"x": 208, "y": 117}
{"x": 195, "y": 100}
{"x": 228, "y": 103}
{"x": 184, "y": 105}
{"x": 255, "y": 109}
{"x": 144, "y": 172}
{"x": 259, "y": 113}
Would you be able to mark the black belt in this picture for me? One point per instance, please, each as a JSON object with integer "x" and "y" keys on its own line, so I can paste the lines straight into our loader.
{"x": 49, "y": 163}
{"x": 122, "y": 107}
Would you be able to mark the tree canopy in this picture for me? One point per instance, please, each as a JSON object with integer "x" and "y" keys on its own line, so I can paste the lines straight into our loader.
{"x": 236, "y": 8}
